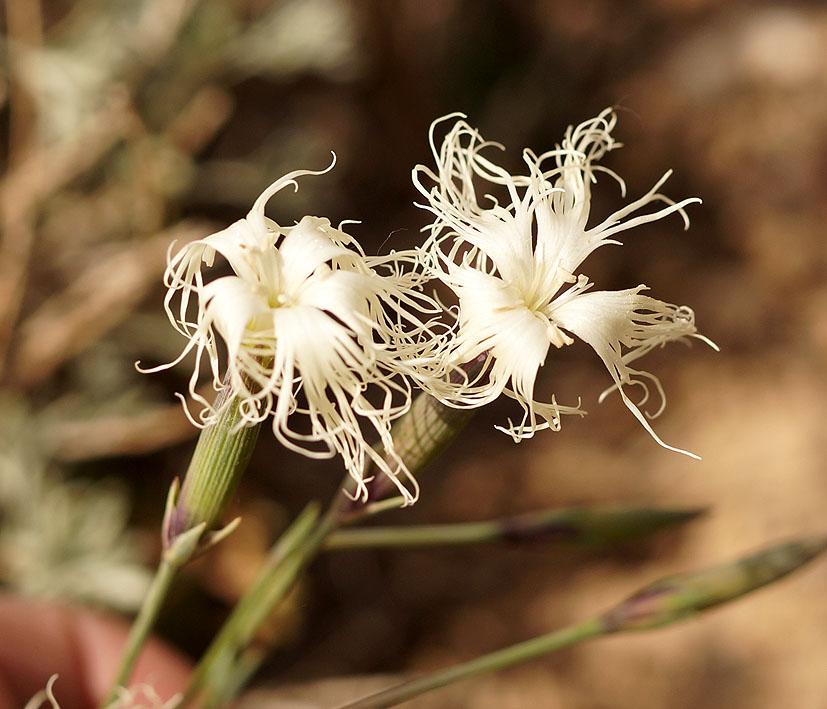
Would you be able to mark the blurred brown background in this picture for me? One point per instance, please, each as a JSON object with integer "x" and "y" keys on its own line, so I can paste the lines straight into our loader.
{"x": 131, "y": 124}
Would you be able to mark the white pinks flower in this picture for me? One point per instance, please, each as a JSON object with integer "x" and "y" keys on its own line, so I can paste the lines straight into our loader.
{"x": 311, "y": 326}
{"x": 515, "y": 269}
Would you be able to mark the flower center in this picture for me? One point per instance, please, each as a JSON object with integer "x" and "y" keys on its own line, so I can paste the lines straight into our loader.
{"x": 540, "y": 296}
{"x": 277, "y": 300}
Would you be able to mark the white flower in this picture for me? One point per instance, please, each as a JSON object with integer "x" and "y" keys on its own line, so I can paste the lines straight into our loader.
{"x": 311, "y": 327}
{"x": 515, "y": 269}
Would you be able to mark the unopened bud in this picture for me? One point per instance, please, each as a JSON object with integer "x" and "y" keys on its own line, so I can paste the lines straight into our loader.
{"x": 677, "y": 597}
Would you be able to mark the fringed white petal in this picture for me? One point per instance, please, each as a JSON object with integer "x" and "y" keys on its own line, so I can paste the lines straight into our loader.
{"x": 317, "y": 335}
{"x": 308, "y": 245}
{"x": 514, "y": 267}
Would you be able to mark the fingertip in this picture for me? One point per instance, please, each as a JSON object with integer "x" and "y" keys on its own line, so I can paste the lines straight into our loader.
{"x": 100, "y": 641}
{"x": 83, "y": 647}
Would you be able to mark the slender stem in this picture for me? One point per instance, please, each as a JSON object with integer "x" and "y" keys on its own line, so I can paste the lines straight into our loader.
{"x": 418, "y": 436}
{"x": 192, "y": 514}
{"x": 296, "y": 547}
{"x": 228, "y": 660}
{"x": 486, "y": 663}
{"x": 586, "y": 526}
{"x": 424, "y": 535}
{"x": 244, "y": 667}
{"x": 147, "y": 616}
{"x": 666, "y": 601}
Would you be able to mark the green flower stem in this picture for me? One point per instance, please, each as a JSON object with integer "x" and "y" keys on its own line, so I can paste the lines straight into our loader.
{"x": 487, "y": 663}
{"x": 142, "y": 625}
{"x": 418, "y": 437}
{"x": 590, "y": 527}
{"x": 171, "y": 561}
{"x": 295, "y": 548}
{"x": 236, "y": 677}
{"x": 193, "y": 515}
{"x": 663, "y": 602}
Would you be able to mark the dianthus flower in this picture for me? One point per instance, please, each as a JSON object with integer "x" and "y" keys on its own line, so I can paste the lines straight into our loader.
{"x": 311, "y": 326}
{"x": 515, "y": 269}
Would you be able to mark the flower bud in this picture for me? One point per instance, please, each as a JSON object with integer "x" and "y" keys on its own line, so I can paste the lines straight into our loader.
{"x": 677, "y": 597}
